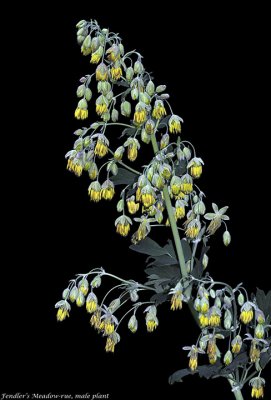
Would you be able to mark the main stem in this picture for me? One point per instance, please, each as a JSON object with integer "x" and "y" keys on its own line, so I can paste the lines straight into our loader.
{"x": 171, "y": 218}
{"x": 178, "y": 244}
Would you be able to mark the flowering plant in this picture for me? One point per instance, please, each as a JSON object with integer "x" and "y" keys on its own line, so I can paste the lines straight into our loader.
{"x": 234, "y": 328}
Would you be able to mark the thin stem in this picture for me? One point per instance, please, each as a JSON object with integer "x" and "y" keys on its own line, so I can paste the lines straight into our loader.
{"x": 125, "y": 165}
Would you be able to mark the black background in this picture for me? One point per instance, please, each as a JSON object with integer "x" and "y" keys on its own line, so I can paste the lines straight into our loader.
{"x": 214, "y": 62}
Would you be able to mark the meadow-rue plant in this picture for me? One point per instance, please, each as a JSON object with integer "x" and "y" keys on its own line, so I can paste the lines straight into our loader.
{"x": 234, "y": 328}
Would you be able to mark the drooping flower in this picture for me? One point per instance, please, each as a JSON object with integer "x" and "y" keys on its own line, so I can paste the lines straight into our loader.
{"x": 81, "y": 111}
{"x": 257, "y": 384}
{"x": 193, "y": 229}
{"x": 133, "y": 146}
{"x": 177, "y": 297}
{"x": 133, "y": 207}
{"x": 193, "y": 356}
{"x": 236, "y": 344}
{"x": 151, "y": 318}
{"x": 140, "y": 114}
{"x": 195, "y": 167}
{"x": 63, "y": 310}
{"x": 94, "y": 191}
{"x": 108, "y": 190}
{"x": 174, "y": 124}
{"x": 123, "y": 224}
{"x": 101, "y": 147}
{"x": 91, "y": 303}
{"x": 102, "y": 72}
{"x": 247, "y": 313}
{"x": 159, "y": 109}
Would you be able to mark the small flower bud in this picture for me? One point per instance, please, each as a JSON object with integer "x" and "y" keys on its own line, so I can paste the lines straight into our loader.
{"x": 114, "y": 305}
{"x": 65, "y": 294}
{"x": 133, "y": 324}
{"x": 240, "y": 299}
{"x": 134, "y": 295}
{"x": 138, "y": 67}
{"x": 205, "y": 261}
{"x": 96, "y": 282}
{"x": 145, "y": 137}
{"x": 119, "y": 153}
{"x": 80, "y": 300}
{"x": 160, "y": 88}
{"x": 187, "y": 153}
{"x": 129, "y": 74}
{"x": 150, "y": 88}
{"x": 164, "y": 141}
{"x": 226, "y": 238}
{"x": 218, "y": 302}
{"x": 228, "y": 358}
{"x": 114, "y": 115}
{"x": 120, "y": 205}
{"x": 125, "y": 108}
{"x": 134, "y": 94}
{"x": 88, "y": 94}
{"x": 199, "y": 208}
{"x": 80, "y": 91}
{"x": 73, "y": 294}
{"x": 227, "y": 319}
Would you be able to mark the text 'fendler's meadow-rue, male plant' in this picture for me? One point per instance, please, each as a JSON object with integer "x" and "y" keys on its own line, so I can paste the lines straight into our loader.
{"x": 234, "y": 337}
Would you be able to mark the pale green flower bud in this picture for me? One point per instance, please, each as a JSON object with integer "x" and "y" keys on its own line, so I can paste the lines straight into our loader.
{"x": 65, "y": 294}
{"x": 150, "y": 88}
{"x": 83, "y": 286}
{"x": 228, "y": 358}
{"x": 180, "y": 154}
{"x": 145, "y": 98}
{"x": 150, "y": 173}
{"x": 134, "y": 295}
{"x": 158, "y": 181}
{"x": 82, "y": 104}
{"x": 133, "y": 324}
{"x": 87, "y": 141}
{"x": 129, "y": 74}
{"x": 81, "y": 24}
{"x": 197, "y": 304}
{"x": 95, "y": 44}
{"x": 240, "y": 299}
{"x": 73, "y": 294}
{"x": 227, "y": 319}
{"x": 134, "y": 94}
{"x": 199, "y": 208}
{"x": 187, "y": 153}
{"x": 95, "y": 125}
{"x": 188, "y": 266}
{"x": 125, "y": 108}
{"x": 138, "y": 67}
{"x": 80, "y": 300}
{"x": 164, "y": 141}
{"x": 226, "y": 238}
{"x": 205, "y": 261}
{"x": 195, "y": 199}
{"x": 259, "y": 331}
{"x": 88, "y": 94}
{"x": 160, "y": 88}
{"x": 212, "y": 293}
{"x": 80, "y": 39}
{"x": 203, "y": 344}
{"x": 114, "y": 305}
{"x": 96, "y": 281}
{"x": 119, "y": 153}
{"x": 110, "y": 95}
{"x": 103, "y": 87}
{"x": 121, "y": 48}
{"x": 106, "y": 117}
{"x": 80, "y": 91}
{"x": 78, "y": 132}
{"x": 87, "y": 42}
{"x": 120, "y": 205}
{"x": 145, "y": 137}
{"x": 218, "y": 302}
{"x": 114, "y": 115}
{"x": 82, "y": 32}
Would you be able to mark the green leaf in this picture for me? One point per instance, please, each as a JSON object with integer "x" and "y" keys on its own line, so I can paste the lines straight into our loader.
{"x": 265, "y": 358}
{"x": 209, "y": 371}
{"x": 159, "y": 298}
{"x": 169, "y": 272}
{"x": 123, "y": 177}
{"x": 148, "y": 246}
{"x": 178, "y": 375}
{"x": 264, "y": 301}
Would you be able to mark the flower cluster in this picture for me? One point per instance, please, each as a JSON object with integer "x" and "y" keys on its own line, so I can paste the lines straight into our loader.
{"x": 234, "y": 329}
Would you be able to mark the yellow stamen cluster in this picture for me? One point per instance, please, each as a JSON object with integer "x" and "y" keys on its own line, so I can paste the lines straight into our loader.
{"x": 74, "y": 167}
{"x": 94, "y": 191}
{"x": 140, "y": 116}
{"x": 211, "y": 351}
{"x": 101, "y": 149}
{"x": 123, "y": 229}
{"x": 246, "y": 316}
{"x": 147, "y": 199}
{"x": 214, "y": 320}
{"x": 192, "y": 232}
{"x": 132, "y": 152}
{"x": 62, "y": 313}
{"x": 193, "y": 361}
{"x": 102, "y": 73}
{"x": 95, "y": 320}
{"x": 203, "y": 320}
{"x": 174, "y": 126}
{"x": 196, "y": 171}
{"x": 158, "y": 111}
{"x": 179, "y": 212}
{"x": 109, "y": 327}
{"x": 133, "y": 207}
{"x": 101, "y": 108}
{"x": 116, "y": 73}
{"x": 110, "y": 345}
{"x": 176, "y": 301}
{"x": 91, "y": 306}
{"x": 151, "y": 325}
{"x": 254, "y": 352}
{"x": 257, "y": 392}
{"x": 81, "y": 113}
{"x": 186, "y": 187}
{"x": 108, "y": 190}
